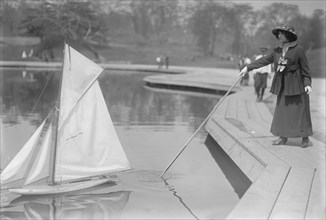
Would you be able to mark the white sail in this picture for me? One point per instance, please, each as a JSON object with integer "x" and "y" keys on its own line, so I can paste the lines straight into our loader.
{"x": 17, "y": 168}
{"x": 78, "y": 75}
{"x": 40, "y": 168}
{"x": 88, "y": 144}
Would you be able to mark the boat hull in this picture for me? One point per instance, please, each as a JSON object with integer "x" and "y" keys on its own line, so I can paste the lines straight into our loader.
{"x": 57, "y": 189}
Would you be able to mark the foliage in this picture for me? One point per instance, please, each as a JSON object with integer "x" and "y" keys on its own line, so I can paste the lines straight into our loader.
{"x": 53, "y": 21}
{"x": 316, "y": 26}
{"x": 208, "y": 19}
{"x": 214, "y": 26}
{"x": 150, "y": 18}
{"x": 238, "y": 16}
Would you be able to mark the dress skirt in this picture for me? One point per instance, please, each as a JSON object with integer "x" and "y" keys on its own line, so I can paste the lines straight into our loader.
{"x": 292, "y": 116}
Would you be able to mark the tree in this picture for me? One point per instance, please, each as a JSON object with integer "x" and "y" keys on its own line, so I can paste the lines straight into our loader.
{"x": 149, "y": 18}
{"x": 10, "y": 16}
{"x": 238, "y": 16}
{"x": 53, "y": 21}
{"x": 274, "y": 15}
{"x": 316, "y": 29}
{"x": 208, "y": 19}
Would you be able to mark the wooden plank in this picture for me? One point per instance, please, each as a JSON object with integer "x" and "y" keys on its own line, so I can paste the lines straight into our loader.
{"x": 236, "y": 131}
{"x": 231, "y": 109}
{"x": 292, "y": 153}
{"x": 252, "y": 110}
{"x": 256, "y": 129}
{"x": 293, "y": 200}
{"x": 216, "y": 132}
{"x": 252, "y": 145}
{"x": 245, "y": 161}
{"x": 221, "y": 110}
{"x": 261, "y": 153}
{"x": 316, "y": 205}
{"x": 255, "y": 115}
{"x": 265, "y": 114}
{"x": 259, "y": 200}
{"x": 242, "y": 110}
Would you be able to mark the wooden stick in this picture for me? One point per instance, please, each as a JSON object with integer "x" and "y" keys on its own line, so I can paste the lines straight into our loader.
{"x": 202, "y": 124}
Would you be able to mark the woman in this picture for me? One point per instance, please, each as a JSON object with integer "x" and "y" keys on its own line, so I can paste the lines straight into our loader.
{"x": 291, "y": 84}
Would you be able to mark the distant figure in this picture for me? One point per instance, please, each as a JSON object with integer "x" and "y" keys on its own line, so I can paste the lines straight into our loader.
{"x": 31, "y": 53}
{"x": 240, "y": 64}
{"x": 166, "y": 61}
{"x": 159, "y": 62}
{"x": 245, "y": 79}
{"x": 24, "y": 73}
{"x": 24, "y": 56}
{"x": 260, "y": 75}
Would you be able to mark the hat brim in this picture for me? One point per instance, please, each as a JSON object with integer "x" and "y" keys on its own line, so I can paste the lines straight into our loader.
{"x": 275, "y": 31}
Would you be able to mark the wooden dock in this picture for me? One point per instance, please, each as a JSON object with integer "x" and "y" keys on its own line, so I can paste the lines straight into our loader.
{"x": 288, "y": 182}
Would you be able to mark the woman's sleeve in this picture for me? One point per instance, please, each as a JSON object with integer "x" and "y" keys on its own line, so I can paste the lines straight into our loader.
{"x": 305, "y": 71}
{"x": 263, "y": 61}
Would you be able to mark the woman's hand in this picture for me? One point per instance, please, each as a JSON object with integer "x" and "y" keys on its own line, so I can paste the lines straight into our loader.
{"x": 308, "y": 89}
{"x": 243, "y": 71}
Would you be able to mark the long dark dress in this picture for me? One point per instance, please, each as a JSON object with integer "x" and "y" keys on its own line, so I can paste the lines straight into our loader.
{"x": 292, "y": 116}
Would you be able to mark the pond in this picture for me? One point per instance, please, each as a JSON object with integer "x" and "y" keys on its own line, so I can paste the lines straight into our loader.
{"x": 152, "y": 125}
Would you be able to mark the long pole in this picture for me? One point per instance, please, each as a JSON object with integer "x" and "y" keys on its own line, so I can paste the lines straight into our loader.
{"x": 202, "y": 124}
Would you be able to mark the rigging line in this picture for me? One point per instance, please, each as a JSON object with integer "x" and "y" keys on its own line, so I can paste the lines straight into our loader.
{"x": 38, "y": 99}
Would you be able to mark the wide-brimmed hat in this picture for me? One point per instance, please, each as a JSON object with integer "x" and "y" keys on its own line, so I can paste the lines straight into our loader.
{"x": 285, "y": 28}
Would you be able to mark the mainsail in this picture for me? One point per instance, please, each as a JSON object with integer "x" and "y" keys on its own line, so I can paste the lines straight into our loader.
{"x": 87, "y": 143}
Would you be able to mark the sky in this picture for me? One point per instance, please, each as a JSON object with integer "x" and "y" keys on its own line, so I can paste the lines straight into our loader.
{"x": 306, "y": 7}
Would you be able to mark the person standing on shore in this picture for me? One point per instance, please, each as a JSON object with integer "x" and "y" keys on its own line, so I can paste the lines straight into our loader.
{"x": 166, "y": 61}
{"x": 260, "y": 75}
{"x": 245, "y": 79}
{"x": 159, "y": 62}
{"x": 291, "y": 84}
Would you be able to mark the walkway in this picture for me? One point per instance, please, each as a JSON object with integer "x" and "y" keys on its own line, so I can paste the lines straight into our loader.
{"x": 288, "y": 181}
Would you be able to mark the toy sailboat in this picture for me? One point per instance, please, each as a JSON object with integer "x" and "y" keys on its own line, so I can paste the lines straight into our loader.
{"x": 75, "y": 149}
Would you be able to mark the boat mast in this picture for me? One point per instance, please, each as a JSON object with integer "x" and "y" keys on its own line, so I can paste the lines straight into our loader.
{"x": 56, "y": 123}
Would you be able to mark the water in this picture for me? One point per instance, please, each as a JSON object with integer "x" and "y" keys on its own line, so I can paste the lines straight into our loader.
{"x": 152, "y": 126}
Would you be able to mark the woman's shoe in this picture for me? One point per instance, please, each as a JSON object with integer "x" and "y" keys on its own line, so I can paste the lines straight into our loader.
{"x": 280, "y": 141}
{"x": 305, "y": 142}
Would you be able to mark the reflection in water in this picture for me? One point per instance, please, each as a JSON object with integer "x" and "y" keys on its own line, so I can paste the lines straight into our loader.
{"x": 239, "y": 181}
{"x": 83, "y": 206}
{"x": 20, "y": 95}
{"x": 152, "y": 126}
{"x": 130, "y": 103}
{"x": 174, "y": 192}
